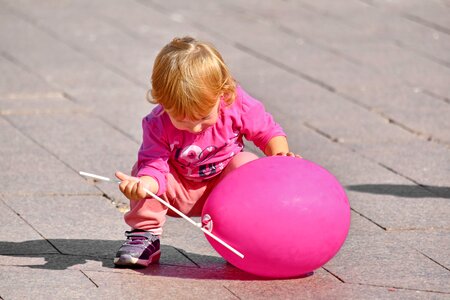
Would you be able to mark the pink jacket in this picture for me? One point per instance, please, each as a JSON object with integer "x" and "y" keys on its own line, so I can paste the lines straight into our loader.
{"x": 204, "y": 155}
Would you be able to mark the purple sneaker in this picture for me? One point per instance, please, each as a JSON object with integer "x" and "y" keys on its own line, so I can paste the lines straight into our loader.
{"x": 140, "y": 249}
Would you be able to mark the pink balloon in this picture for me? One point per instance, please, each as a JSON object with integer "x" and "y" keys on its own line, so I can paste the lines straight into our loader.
{"x": 288, "y": 216}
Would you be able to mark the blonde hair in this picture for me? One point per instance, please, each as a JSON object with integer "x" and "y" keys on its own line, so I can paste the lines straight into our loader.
{"x": 188, "y": 78}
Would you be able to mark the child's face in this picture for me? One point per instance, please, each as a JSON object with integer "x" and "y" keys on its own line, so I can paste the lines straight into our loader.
{"x": 197, "y": 126}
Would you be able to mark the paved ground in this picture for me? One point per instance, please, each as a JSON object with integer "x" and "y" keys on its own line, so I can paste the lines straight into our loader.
{"x": 361, "y": 87}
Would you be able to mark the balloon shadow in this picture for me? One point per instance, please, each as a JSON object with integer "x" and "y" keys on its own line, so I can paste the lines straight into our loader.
{"x": 407, "y": 191}
{"x": 62, "y": 254}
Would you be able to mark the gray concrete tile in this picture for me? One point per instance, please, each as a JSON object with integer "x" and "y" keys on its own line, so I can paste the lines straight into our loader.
{"x": 16, "y": 82}
{"x": 71, "y": 223}
{"x": 84, "y": 142}
{"x": 424, "y": 162}
{"x": 420, "y": 113}
{"x": 49, "y": 54}
{"x": 192, "y": 242}
{"x": 39, "y": 103}
{"x": 433, "y": 244}
{"x": 380, "y": 260}
{"x": 121, "y": 108}
{"x": 16, "y": 234}
{"x": 29, "y": 168}
{"x": 412, "y": 10}
{"x": 161, "y": 286}
{"x": 23, "y": 283}
{"x": 393, "y": 212}
{"x": 381, "y": 195}
{"x": 321, "y": 286}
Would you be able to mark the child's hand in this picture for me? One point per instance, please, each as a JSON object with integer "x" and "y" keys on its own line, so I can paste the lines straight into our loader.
{"x": 288, "y": 154}
{"x": 133, "y": 187}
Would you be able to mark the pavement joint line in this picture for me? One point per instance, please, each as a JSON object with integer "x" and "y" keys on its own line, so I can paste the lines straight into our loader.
{"x": 29, "y": 224}
{"x": 416, "y": 20}
{"x": 433, "y": 260}
{"x": 425, "y": 136}
{"x": 403, "y": 46}
{"x": 43, "y": 112}
{"x": 322, "y": 133}
{"x": 367, "y": 218}
{"x": 119, "y": 26}
{"x": 90, "y": 279}
{"x": 105, "y": 121}
{"x": 245, "y": 49}
{"x": 9, "y": 57}
{"x": 334, "y": 275}
{"x": 337, "y": 141}
{"x": 426, "y": 23}
{"x": 49, "y": 194}
{"x": 431, "y": 94}
{"x": 249, "y": 51}
{"x": 74, "y": 47}
{"x": 284, "y": 67}
{"x": 398, "y": 288}
{"x": 294, "y": 34}
{"x": 186, "y": 256}
{"x": 425, "y": 187}
{"x": 42, "y": 146}
{"x": 330, "y": 88}
{"x": 120, "y": 130}
{"x": 231, "y": 292}
{"x": 410, "y": 17}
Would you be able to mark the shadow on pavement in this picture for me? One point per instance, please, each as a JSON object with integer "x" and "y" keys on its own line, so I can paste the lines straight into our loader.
{"x": 408, "y": 191}
{"x": 62, "y": 254}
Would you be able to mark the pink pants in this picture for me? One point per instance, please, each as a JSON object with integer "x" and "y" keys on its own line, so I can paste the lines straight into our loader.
{"x": 187, "y": 196}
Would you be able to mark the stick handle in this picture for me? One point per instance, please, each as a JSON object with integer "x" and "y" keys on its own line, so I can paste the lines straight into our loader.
{"x": 198, "y": 225}
{"x": 173, "y": 208}
{"x": 195, "y": 224}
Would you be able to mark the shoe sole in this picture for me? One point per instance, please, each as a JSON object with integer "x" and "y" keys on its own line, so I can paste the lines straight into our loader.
{"x": 128, "y": 260}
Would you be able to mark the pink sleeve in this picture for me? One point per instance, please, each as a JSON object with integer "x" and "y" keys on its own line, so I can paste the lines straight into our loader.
{"x": 258, "y": 125}
{"x": 154, "y": 153}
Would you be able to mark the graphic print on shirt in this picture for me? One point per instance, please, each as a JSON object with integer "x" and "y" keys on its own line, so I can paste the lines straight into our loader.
{"x": 194, "y": 159}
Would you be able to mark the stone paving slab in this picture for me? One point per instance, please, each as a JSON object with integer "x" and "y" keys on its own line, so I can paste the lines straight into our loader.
{"x": 23, "y": 283}
{"x": 433, "y": 244}
{"x": 85, "y": 237}
{"x": 361, "y": 88}
{"x": 418, "y": 11}
{"x": 39, "y": 103}
{"x": 73, "y": 144}
{"x": 423, "y": 162}
{"x": 17, "y": 232}
{"x": 124, "y": 112}
{"x": 49, "y": 55}
{"x": 381, "y": 261}
{"x": 404, "y": 32}
{"x": 93, "y": 36}
{"x": 388, "y": 199}
{"x": 17, "y": 82}
{"x": 322, "y": 289}
{"x": 138, "y": 287}
{"x": 30, "y": 169}
{"x": 73, "y": 223}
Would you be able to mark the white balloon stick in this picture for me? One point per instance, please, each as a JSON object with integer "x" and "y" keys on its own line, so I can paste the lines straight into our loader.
{"x": 199, "y": 225}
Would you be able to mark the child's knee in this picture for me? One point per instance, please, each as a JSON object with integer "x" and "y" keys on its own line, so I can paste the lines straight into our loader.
{"x": 240, "y": 159}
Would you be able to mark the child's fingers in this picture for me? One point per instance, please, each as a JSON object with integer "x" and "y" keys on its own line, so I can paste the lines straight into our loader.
{"x": 129, "y": 189}
{"x": 123, "y": 185}
{"x": 140, "y": 191}
{"x": 122, "y": 176}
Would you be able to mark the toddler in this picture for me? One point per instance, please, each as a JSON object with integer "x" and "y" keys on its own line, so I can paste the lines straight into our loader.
{"x": 191, "y": 140}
